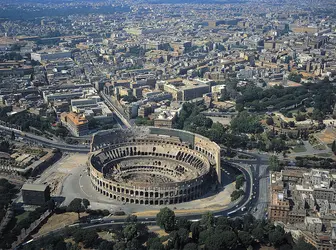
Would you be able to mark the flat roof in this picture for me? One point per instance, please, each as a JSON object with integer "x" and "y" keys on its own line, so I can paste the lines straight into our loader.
{"x": 34, "y": 187}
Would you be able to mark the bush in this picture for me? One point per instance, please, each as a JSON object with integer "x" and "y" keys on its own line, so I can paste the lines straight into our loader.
{"x": 236, "y": 194}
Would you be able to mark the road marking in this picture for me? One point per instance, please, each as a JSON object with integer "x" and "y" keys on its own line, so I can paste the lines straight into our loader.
{"x": 81, "y": 187}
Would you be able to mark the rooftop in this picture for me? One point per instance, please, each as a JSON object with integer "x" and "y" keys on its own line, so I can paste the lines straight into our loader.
{"x": 34, "y": 187}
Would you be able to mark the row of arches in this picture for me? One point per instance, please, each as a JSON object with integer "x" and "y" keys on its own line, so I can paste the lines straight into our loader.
{"x": 188, "y": 157}
{"x": 157, "y": 200}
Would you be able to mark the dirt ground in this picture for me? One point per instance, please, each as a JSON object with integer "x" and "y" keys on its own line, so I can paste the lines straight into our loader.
{"x": 58, "y": 221}
{"x": 56, "y": 177}
{"x": 156, "y": 229}
{"x": 327, "y": 136}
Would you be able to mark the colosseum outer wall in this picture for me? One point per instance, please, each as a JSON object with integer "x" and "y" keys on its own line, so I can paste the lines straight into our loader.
{"x": 108, "y": 146}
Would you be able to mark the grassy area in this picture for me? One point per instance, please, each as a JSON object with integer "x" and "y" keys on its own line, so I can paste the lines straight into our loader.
{"x": 320, "y": 147}
{"x": 299, "y": 149}
{"x": 105, "y": 235}
{"x": 22, "y": 216}
{"x": 327, "y": 155}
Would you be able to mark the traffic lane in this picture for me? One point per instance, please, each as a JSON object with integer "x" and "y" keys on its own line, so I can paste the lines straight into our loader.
{"x": 46, "y": 142}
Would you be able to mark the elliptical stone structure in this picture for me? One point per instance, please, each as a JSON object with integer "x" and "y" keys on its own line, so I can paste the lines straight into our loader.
{"x": 153, "y": 166}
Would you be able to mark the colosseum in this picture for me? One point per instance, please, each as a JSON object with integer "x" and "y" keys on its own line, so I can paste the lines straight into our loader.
{"x": 153, "y": 166}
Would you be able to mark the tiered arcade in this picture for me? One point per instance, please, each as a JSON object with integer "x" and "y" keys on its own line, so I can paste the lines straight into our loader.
{"x": 153, "y": 166}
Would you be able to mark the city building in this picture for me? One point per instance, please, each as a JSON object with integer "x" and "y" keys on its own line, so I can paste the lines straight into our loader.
{"x": 35, "y": 194}
{"x": 76, "y": 123}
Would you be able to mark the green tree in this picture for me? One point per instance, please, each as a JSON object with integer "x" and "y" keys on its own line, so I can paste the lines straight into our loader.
{"x": 269, "y": 121}
{"x": 182, "y": 222}
{"x": 133, "y": 244}
{"x": 333, "y": 147}
{"x": 131, "y": 218}
{"x": 119, "y": 246}
{"x": 195, "y": 230}
{"x": 130, "y": 232}
{"x": 208, "y": 220}
{"x": 258, "y": 233}
{"x": 245, "y": 238}
{"x": 239, "y": 181}
{"x": 105, "y": 245}
{"x": 215, "y": 241}
{"x": 86, "y": 203}
{"x": 274, "y": 163}
{"x": 76, "y": 206}
{"x": 300, "y": 117}
{"x": 183, "y": 235}
{"x": 276, "y": 236}
{"x": 239, "y": 107}
{"x": 230, "y": 239}
{"x": 13, "y": 136}
{"x": 295, "y": 77}
{"x": 246, "y": 123}
{"x": 302, "y": 245}
{"x": 205, "y": 234}
{"x": 155, "y": 244}
{"x": 236, "y": 194}
{"x": 166, "y": 219}
{"x": 190, "y": 246}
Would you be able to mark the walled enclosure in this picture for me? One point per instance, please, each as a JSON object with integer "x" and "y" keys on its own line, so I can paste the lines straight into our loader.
{"x": 153, "y": 166}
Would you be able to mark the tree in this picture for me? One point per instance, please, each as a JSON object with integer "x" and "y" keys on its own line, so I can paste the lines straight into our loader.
{"x": 230, "y": 239}
{"x": 129, "y": 98}
{"x": 291, "y": 124}
{"x": 183, "y": 235}
{"x": 154, "y": 244}
{"x": 317, "y": 115}
{"x": 239, "y": 107}
{"x": 246, "y": 123}
{"x": 274, "y": 163}
{"x": 51, "y": 204}
{"x": 205, "y": 234}
{"x": 239, "y": 181}
{"x": 236, "y": 194}
{"x": 130, "y": 232}
{"x": 333, "y": 147}
{"x": 76, "y": 206}
{"x": 119, "y": 246}
{"x": 105, "y": 245}
{"x": 302, "y": 245}
{"x": 182, "y": 222}
{"x": 208, "y": 220}
{"x": 269, "y": 121}
{"x": 131, "y": 218}
{"x": 245, "y": 238}
{"x": 86, "y": 203}
{"x": 195, "y": 230}
{"x": 295, "y": 77}
{"x": 300, "y": 117}
{"x": 215, "y": 241}
{"x": 190, "y": 246}
{"x": 258, "y": 233}
{"x": 276, "y": 236}
{"x": 166, "y": 219}
{"x": 133, "y": 244}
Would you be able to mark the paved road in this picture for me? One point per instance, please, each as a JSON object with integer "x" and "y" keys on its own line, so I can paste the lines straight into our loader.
{"x": 119, "y": 115}
{"x": 29, "y": 137}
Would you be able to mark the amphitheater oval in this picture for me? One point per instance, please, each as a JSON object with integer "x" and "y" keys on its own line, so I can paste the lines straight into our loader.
{"x": 153, "y": 166}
